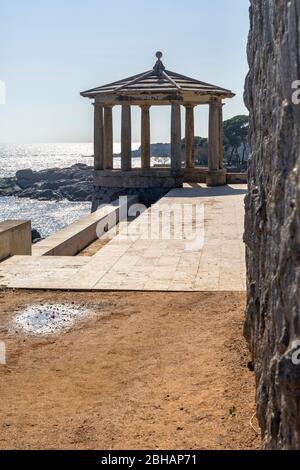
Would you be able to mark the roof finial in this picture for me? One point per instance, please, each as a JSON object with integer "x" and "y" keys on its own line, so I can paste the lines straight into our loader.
{"x": 159, "y": 66}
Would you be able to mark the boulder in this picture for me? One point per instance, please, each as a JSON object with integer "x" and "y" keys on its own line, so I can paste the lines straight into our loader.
{"x": 26, "y": 178}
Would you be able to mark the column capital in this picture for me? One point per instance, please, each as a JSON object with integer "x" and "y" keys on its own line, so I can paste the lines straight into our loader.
{"x": 145, "y": 106}
{"x": 215, "y": 100}
{"x": 189, "y": 105}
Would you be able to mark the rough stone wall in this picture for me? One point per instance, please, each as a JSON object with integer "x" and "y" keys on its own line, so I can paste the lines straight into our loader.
{"x": 272, "y": 229}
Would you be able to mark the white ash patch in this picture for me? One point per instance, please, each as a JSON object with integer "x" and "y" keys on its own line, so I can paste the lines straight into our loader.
{"x": 48, "y": 318}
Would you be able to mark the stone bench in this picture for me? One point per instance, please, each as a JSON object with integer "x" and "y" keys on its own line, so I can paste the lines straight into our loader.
{"x": 15, "y": 238}
{"x": 77, "y": 236}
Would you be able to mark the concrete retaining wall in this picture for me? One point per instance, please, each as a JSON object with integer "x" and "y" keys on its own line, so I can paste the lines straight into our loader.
{"x": 77, "y": 236}
{"x": 15, "y": 238}
{"x": 157, "y": 178}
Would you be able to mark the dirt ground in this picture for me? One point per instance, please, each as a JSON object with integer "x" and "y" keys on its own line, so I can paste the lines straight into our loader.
{"x": 147, "y": 371}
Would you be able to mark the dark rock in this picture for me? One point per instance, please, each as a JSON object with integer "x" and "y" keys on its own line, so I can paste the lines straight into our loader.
{"x": 74, "y": 183}
{"x": 41, "y": 194}
{"x": 26, "y": 178}
{"x": 35, "y": 236}
{"x": 272, "y": 218}
{"x": 10, "y": 189}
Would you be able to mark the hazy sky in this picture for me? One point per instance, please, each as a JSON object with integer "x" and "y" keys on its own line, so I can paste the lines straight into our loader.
{"x": 50, "y": 50}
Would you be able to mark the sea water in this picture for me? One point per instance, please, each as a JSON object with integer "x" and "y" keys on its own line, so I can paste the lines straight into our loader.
{"x": 15, "y": 157}
{"x": 46, "y": 216}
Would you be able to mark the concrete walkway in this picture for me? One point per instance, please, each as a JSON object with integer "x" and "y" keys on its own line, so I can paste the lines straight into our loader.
{"x": 191, "y": 240}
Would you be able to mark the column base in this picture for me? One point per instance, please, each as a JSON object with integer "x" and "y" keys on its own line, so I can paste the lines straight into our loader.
{"x": 216, "y": 178}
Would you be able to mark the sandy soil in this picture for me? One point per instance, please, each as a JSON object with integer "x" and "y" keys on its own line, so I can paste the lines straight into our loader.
{"x": 148, "y": 371}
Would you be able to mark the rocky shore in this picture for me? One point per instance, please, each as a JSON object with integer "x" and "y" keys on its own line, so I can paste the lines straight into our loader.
{"x": 74, "y": 183}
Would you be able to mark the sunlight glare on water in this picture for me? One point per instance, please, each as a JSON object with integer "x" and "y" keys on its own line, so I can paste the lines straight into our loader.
{"x": 46, "y": 216}
{"x": 14, "y": 157}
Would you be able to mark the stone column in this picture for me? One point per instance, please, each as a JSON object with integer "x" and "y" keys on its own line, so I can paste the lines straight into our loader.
{"x": 221, "y": 149}
{"x": 145, "y": 137}
{"x": 108, "y": 138}
{"x": 126, "y": 138}
{"x": 189, "y": 136}
{"x": 98, "y": 137}
{"x": 176, "y": 140}
{"x": 215, "y": 176}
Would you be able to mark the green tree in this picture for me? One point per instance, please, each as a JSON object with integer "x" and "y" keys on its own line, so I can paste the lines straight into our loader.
{"x": 235, "y": 140}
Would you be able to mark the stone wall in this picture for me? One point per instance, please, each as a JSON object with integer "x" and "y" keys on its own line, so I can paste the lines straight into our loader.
{"x": 15, "y": 238}
{"x": 146, "y": 196}
{"x": 272, "y": 229}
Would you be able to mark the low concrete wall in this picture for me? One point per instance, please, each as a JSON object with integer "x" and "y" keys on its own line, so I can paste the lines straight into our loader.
{"x": 199, "y": 175}
{"x": 15, "y": 238}
{"x": 237, "y": 178}
{"x": 157, "y": 178}
{"x": 194, "y": 175}
{"x": 137, "y": 178}
{"x": 77, "y": 236}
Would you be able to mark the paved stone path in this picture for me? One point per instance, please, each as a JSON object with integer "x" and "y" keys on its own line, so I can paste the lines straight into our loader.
{"x": 191, "y": 240}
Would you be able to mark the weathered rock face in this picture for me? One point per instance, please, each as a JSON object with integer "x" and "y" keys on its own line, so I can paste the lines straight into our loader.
{"x": 272, "y": 232}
